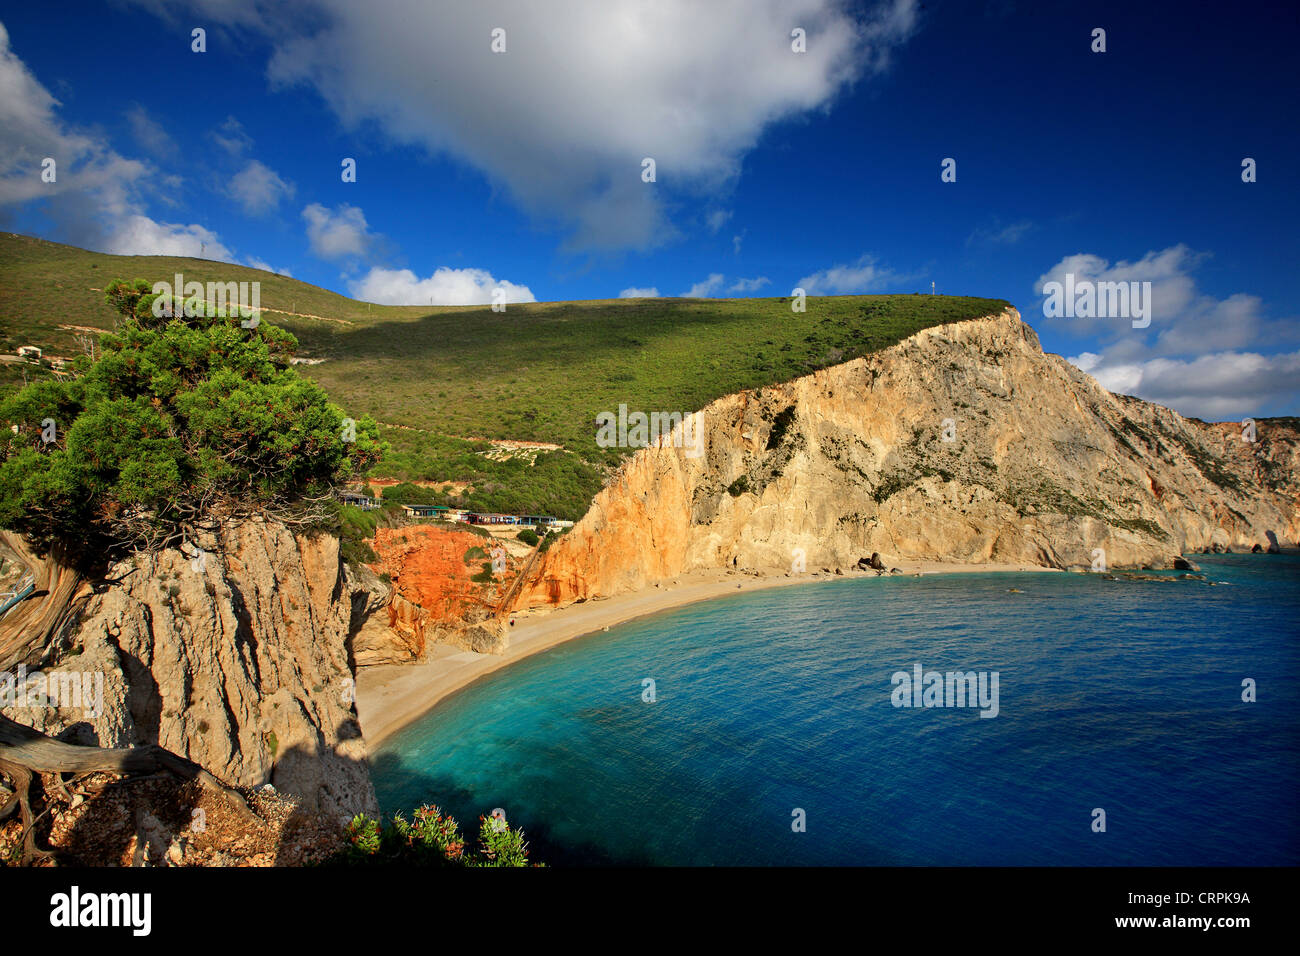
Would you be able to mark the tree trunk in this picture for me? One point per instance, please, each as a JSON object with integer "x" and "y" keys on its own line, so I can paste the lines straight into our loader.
{"x": 30, "y": 628}
{"x": 25, "y": 752}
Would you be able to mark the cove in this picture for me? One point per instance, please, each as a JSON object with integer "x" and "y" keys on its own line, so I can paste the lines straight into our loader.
{"x": 1120, "y": 695}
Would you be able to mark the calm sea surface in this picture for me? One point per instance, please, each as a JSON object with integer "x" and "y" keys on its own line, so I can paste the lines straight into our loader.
{"x": 1124, "y": 696}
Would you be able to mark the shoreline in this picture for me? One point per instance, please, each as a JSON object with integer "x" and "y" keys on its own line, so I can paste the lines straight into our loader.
{"x": 390, "y": 697}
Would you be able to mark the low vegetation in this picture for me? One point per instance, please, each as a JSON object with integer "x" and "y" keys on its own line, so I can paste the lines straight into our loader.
{"x": 432, "y": 839}
{"x": 443, "y": 381}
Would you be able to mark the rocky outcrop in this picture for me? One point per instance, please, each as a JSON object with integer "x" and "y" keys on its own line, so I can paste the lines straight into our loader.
{"x": 374, "y": 641}
{"x": 435, "y": 598}
{"x": 235, "y": 657}
{"x": 964, "y": 442}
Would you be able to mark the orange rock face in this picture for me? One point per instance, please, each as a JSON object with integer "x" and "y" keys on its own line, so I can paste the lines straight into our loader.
{"x": 434, "y": 598}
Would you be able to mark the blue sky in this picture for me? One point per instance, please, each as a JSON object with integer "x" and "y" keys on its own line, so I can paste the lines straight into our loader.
{"x": 522, "y": 170}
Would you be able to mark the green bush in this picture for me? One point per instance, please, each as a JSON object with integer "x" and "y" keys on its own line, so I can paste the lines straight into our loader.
{"x": 431, "y": 839}
{"x": 529, "y": 537}
{"x": 176, "y": 422}
{"x": 780, "y": 425}
{"x": 355, "y": 528}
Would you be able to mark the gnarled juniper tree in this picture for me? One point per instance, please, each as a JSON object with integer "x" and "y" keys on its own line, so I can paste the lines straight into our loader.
{"x": 184, "y": 419}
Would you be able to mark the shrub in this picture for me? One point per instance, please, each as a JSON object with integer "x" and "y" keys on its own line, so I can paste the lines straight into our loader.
{"x": 431, "y": 839}
{"x": 739, "y": 486}
{"x": 499, "y": 845}
{"x": 779, "y": 426}
{"x": 354, "y": 528}
{"x": 178, "y": 421}
{"x": 528, "y": 537}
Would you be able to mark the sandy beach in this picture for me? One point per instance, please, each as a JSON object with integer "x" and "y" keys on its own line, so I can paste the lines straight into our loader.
{"x": 391, "y": 696}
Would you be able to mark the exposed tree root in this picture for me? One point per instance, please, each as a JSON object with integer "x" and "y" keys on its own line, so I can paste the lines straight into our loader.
{"x": 25, "y": 752}
{"x": 29, "y": 630}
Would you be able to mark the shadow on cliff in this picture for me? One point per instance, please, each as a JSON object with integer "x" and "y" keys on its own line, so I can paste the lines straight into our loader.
{"x": 403, "y": 786}
{"x": 161, "y": 820}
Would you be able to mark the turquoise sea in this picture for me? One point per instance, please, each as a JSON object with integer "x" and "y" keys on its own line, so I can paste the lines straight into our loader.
{"x": 1123, "y": 696}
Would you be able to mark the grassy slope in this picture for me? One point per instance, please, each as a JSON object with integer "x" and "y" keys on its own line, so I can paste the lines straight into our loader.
{"x": 540, "y": 371}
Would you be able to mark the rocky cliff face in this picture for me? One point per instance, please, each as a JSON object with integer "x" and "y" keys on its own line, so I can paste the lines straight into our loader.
{"x": 237, "y": 659}
{"x": 435, "y": 597}
{"x": 964, "y": 442}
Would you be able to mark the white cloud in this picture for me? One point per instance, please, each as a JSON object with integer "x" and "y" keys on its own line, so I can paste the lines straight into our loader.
{"x": 749, "y": 285}
{"x": 1201, "y": 355}
{"x": 444, "y": 287}
{"x": 232, "y": 137}
{"x": 339, "y": 233}
{"x": 1221, "y": 386}
{"x": 150, "y": 135}
{"x": 737, "y": 240}
{"x": 864, "y": 275}
{"x": 705, "y": 288}
{"x": 95, "y": 198}
{"x": 1085, "y": 361}
{"x": 30, "y": 132}
{"x": 638, "y": 293}
{"x": 1174, "y": 298}
{"x": 262, "y": 264}
{"x": 999, "y": 235}
{"x": 141, "y": 236}
{"x": 585, "y": 90}
{"x": 717, "y": 219}
{"x": 259, "y": 189}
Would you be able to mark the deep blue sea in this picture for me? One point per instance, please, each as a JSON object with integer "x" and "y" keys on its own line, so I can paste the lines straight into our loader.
{"x": 1124, "y": 696}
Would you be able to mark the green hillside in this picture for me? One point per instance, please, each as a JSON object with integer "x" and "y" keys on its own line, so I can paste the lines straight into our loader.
{"x": 536, "y": 372}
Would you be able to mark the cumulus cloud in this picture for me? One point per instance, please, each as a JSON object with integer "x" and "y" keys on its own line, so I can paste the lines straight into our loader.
{"x": 584, "y": 91}
{"x": 1174, "y": 299}
{"x": 259, "y": 189}
{"x": 1201, "y": 355}
{"x": 339, "y": 233}
{"x": 749, "y": 285}
{"x": 444, "y": 287}
{"x": 1220, "y": 386}
{"x": 30, "y": 132}
{"x": 139, "y": 235}
{"x": 706, "y": 287}
{"x": 864, "y": 275}
{"x": 639, "y": 293}
{"x": 94, "y": 200}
